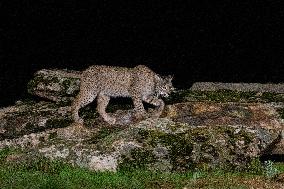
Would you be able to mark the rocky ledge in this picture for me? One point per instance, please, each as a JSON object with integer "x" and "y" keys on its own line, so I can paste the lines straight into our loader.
{"x": 198, "y": 129}
{"x": 189, "y": 135}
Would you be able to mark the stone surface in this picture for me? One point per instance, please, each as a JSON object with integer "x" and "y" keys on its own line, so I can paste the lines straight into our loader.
{"x": 257, "y": 87}
{"x": 56, "y": 85}
{"x": 278, "y": 147}
{"x": 198, "y": 129}
{"x": 62, "y": 85}
{"x": 26, "y": 118}
{"x": 189, "y": 135}
{"x": 230, "y": 113}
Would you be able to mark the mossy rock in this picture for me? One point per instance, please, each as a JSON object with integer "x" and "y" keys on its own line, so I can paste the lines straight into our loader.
{"x": 56, "y": 85}
{"x": 26, "y": 118}
{"x": 179, "y": 147}
{"x": 190, "y": 135}
{"x": 224, "y": 96}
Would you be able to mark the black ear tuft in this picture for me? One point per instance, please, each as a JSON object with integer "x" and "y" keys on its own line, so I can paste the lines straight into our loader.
{"x": 170, "y": 77}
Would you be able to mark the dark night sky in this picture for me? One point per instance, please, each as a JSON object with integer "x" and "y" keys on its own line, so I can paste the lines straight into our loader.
{"x": 230, "y": 41}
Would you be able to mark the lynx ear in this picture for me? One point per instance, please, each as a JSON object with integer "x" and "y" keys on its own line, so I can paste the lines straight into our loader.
{"x": 170, "y": 77}
{"x": 159, "y": 79}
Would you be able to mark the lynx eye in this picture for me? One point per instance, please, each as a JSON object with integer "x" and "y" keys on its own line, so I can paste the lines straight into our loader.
{"x": 164, "y": 94}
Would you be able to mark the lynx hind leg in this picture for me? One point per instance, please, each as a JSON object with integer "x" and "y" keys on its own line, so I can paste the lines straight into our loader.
{"x": 103, "y": 101}
{"x": 159, "y": 103}
{"x": 83, "y": 99}
{"x": 140, "y": 112}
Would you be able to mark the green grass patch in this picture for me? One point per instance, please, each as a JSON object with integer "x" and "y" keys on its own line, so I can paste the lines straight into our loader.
{"x": 43, "y": 173}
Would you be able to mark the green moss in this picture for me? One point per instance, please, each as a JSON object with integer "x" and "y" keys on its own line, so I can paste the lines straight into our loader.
{"x": 32, "y": 84}
{"x": 103, "y": 133}
{"x": 234, "y": 96}
{"x": 255, "y": 167}
{"x": 51, "y": 79}
{"x": 30, "y": 127}
{"x": 28, "y": 100}
{"x": 58, "y": 123}
{"x": 137, "y": 159}
{"x": 51, "y": 123}
{"x": 198, "y": 135}
{"x": 281, "y": 113}
{"x": 66, "y": 84}
{"x": 52, "y": 135}
{"x": 272, "y": 97}
{"x": 45, "y": 113}
{"x": 142, "y": 135}
{"x": 237, "y": 111}
{"x": 180, "y": 147}
{"x": 41, "y": 79}
{"x": 64, "y": 102}
{"x": 233, "y": 137}
{"x": 246, "y": 136}
{"x": 176, "y": 97}
{"x": 202, "y": 140}
{"x": 223, "y": 96}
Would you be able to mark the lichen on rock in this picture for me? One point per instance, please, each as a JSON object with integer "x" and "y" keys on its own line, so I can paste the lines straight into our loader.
{"x": 197, "y": 130}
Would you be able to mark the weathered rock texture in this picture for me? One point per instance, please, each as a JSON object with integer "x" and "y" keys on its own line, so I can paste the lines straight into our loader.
{"x": 62, "y": 85}
{"x": 191, "y": 135}
{"x": 26, "y": 118}
{"x": 257, "y": 87}
{"x": 198, "y": 129}
{"x": 55, "y": 85}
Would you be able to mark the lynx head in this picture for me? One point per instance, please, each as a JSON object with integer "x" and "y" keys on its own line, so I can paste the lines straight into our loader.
{"x": 164, "y": 86}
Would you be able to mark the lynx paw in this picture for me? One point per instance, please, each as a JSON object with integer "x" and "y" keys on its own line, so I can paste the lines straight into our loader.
{"x": 140, "y": 116}
{"x": 79, "y": 121}
{"x": 111, "y": 120}
{"x": 156, "y": 114}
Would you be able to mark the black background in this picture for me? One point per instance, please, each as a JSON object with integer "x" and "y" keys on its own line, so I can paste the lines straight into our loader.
{"x": 227, "y": 41}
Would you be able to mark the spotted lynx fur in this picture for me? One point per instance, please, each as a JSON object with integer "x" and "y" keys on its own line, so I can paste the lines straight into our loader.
{"x": 140, "y": 83}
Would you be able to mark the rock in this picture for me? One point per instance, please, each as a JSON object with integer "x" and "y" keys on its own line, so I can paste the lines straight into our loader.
{"x": 63, "y": 85}
{"x": 189, "y": 135}
{"x": 278, "y": 149}
{"x": 279, "y": 178}
{"x": 22, "y": 119}
{"x": 257, "y": 87}
{"x": 55, "y": 85}
{"x": 226, "y": 129}
{"x": 262, "y": 115}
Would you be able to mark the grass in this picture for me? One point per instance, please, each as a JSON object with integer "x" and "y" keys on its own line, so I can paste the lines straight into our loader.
{"x": 44, "y": 173}
{"x": 66, "y": 176}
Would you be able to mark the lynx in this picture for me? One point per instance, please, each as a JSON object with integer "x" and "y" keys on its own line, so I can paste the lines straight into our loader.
{"x": 140, "y": 83}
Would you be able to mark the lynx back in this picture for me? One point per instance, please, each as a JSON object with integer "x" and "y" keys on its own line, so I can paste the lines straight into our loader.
{"x": 103, "y": 82}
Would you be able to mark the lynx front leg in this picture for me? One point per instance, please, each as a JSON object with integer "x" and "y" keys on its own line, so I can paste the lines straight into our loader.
{"x": 156, "y": 102}
{"x": 103, "y": 101}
